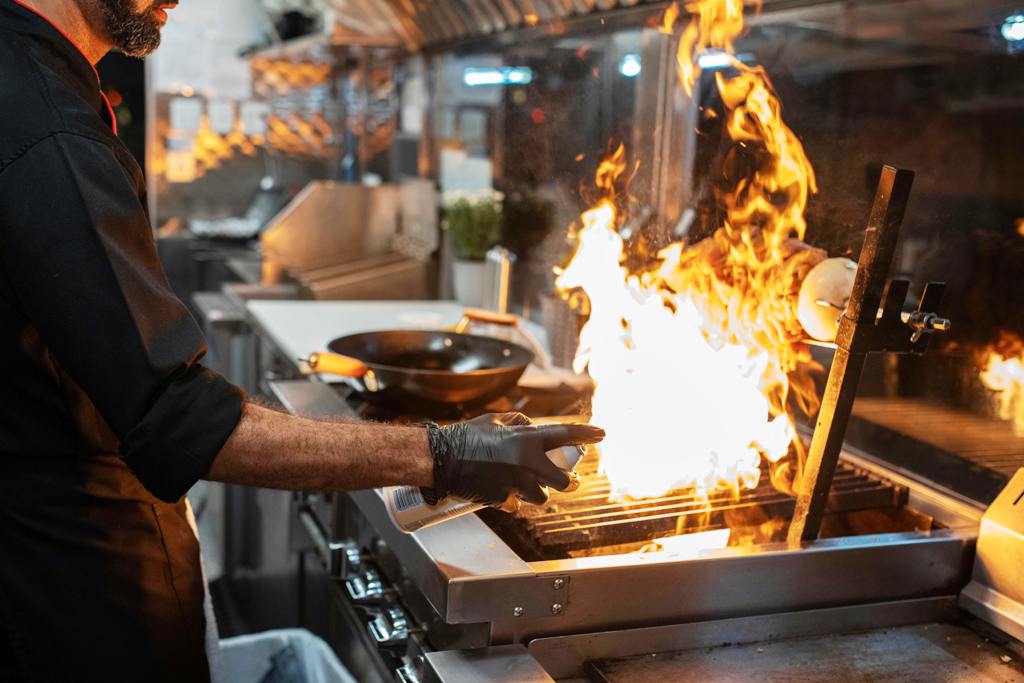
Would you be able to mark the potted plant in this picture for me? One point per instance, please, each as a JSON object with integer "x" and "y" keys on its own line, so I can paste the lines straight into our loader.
{"x": 473, "y": 222}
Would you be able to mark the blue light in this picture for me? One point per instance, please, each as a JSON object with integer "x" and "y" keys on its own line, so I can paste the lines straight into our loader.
{"x": 714, "y": 59}
{"x": 631, "y": 65}
{"x": 1013, "y": 28}
{"x": 711, "y": 60}
{"x": 506, "y": 75}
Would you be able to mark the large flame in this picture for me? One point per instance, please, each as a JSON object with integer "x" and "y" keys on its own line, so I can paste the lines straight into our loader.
{"x": 715, "y": 25}
{"x": 1003, "y": 373}
{"x": 693, "y": 360}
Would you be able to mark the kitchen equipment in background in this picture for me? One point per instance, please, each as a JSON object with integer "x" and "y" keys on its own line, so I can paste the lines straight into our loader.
{"x": 497, "y": 278}
{"x": 420, "y": 235}
{"x": 387, "y": 276}
{"x": 337, "y": 241}
{"x": 469, "y": 282}
{"x": 330, "y": 223}
{"x": 270, "y": 199}
{"x": 425, "y": 371}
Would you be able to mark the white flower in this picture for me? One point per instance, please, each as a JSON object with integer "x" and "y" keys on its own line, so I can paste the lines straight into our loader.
{"x": 452, "y": 197}
{"x": 474, "y": 199}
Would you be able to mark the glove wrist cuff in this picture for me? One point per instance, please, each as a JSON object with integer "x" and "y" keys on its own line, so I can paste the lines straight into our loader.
{"x": 433, "y": 495}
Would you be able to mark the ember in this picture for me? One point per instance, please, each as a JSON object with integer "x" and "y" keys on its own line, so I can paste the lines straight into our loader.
{"x": 703, "y": 350}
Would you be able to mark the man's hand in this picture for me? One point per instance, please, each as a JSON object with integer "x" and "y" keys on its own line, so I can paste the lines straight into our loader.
{"x": 492, "y": 457}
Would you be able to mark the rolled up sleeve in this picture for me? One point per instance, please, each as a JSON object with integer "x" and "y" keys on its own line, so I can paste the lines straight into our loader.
{"x": 77, "y": 248}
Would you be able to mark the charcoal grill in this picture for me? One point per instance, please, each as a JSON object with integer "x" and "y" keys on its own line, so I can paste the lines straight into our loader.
{"x": 590, "y": 522}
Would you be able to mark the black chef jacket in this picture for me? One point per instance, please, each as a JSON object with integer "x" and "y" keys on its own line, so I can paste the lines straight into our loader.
{"x": 107, "y": 416}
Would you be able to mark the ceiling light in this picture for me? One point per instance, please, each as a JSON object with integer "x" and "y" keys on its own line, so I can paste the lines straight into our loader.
{"x": 714, "y": 59}
{"x": 1013, "y": 28}
{"x": 507, "y": 75}
{"x": 631, "y": 65}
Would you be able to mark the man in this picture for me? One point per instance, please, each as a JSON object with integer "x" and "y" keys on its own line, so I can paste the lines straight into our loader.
{"x": 107, "y": 416}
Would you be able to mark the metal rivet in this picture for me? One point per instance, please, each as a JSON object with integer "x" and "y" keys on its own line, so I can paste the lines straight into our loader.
{"x": 556, "y": 608}
{"x": 559, "y": 584}
{"x": 518, "y": 612}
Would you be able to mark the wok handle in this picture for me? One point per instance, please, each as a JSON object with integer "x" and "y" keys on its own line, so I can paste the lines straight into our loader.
{"x": 337, "y": 364}
{"x": 482, "y": 315}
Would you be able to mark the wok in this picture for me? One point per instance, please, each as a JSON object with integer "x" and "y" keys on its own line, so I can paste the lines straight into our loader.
{"x": 425, "y": 371}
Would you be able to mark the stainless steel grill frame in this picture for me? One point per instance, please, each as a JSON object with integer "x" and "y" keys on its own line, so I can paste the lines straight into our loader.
{"x": 470, "y": 577}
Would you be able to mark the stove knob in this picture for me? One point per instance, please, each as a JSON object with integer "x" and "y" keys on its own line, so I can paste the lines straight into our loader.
{"x": 407, "y": 673}
{"x": 353, "y": 558}
{"x": 366, "y": 588}
{"x": 345, "y": 559}
{"x": 389, "y": 628}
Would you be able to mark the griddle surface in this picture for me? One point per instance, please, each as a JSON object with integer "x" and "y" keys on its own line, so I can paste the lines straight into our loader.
{"x": 926, "y": 653}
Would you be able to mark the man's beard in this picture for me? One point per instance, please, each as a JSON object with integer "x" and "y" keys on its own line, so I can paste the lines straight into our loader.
{"x": 134, "y": 33}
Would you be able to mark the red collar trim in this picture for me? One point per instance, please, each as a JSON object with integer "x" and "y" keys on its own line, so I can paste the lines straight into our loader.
{"x": 103, "y": 95}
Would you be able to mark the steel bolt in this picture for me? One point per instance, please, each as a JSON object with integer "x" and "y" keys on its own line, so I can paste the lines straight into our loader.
{"x": 556, "y": 608}
{"x": 559, "y": 584}
{"x": 518, "y": 612}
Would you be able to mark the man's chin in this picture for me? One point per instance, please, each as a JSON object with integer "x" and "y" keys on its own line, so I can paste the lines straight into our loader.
{"x": 139, "y": 45}
{"x": 132, "y": 33}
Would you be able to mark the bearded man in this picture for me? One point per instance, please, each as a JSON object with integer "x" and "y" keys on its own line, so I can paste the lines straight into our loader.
{"x": 107, "y": 415}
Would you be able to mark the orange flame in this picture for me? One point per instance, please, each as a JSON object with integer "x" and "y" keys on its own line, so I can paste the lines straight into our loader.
{"x": 1003, "y": 374}
{"x": 716, "y": 24}
{"x": 611, "y": 167}
{"x": 669, "y": 19}
{"x": 694, "y": 360}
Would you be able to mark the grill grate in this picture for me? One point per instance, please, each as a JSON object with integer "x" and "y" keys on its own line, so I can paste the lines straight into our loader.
{"x": 586, "y": 522}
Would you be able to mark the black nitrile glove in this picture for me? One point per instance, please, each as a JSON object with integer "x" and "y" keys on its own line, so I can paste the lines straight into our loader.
{"x": 492, "y": 457}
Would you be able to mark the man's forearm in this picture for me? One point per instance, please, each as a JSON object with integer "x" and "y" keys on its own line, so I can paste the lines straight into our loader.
{"x": 276, "y": 450}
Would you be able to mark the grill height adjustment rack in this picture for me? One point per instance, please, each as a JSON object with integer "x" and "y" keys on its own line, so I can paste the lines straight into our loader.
{"x": 874, "y": 322}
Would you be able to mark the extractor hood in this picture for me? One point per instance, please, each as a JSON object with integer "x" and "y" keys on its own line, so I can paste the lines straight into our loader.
{"x": 418, "y": 24}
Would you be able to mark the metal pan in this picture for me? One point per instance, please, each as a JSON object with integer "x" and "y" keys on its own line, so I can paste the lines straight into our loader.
{"x": 423, "y": 371}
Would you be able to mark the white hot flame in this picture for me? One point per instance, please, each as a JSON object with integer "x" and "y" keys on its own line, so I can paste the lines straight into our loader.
{"x": 694, "y": 413}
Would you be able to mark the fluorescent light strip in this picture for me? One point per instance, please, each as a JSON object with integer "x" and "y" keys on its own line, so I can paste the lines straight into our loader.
{"x": 507, "y": 75}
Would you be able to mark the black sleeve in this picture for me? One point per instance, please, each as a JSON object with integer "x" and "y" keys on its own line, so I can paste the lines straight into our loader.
{"x": 77, "y": 247}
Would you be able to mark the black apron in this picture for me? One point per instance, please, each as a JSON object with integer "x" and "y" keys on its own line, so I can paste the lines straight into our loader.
{"x": 100, "y": 580}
